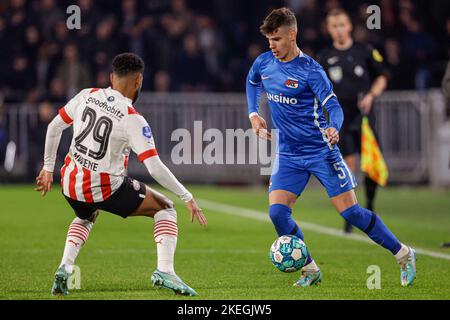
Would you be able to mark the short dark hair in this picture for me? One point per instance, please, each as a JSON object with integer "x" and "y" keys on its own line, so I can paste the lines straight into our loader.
{"x": 278, "y": 18}
{"x": 127, "y": 63}
{"x": 337, "y": 12}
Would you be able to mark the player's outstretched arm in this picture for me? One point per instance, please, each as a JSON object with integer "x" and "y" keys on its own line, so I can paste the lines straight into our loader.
{"x": 54, "y": 130}
{"x": 142, "y": 143}
{"x": 166, "y": 178}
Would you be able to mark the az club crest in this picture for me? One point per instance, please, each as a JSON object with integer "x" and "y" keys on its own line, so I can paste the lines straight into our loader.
{"x": 291, "y": 83}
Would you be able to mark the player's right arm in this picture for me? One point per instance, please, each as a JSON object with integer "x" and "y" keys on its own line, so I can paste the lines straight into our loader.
{"x": 254, "y": 89}
{"x": 142, "y": 143}
{"x": 62, "y": 121}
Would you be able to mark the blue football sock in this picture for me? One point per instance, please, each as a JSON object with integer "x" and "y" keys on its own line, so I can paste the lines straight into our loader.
{"x": 368, "y": 222}
{"x": 281, "y": 217}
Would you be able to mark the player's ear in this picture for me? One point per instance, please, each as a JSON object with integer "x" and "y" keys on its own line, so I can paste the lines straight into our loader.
{"x": 138, "y": 82}
{"x": 111, "y": 77}
{"x": 292, "y": 34}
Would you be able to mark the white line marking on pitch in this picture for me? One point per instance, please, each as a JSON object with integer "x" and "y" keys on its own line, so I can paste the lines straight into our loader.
{"x": 263, "y": 216}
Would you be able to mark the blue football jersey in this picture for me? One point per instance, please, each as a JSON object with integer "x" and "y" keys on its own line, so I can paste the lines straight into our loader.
{"x": 297, "y": 90}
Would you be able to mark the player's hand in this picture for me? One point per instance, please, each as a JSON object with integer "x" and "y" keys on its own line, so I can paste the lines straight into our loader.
{"x": 195, "y": 211}
{"x": 332, "y": 135}
{"x": 366, "y": 103}
{"x": 260, "y": 127}
{"x": 44, "y": 182}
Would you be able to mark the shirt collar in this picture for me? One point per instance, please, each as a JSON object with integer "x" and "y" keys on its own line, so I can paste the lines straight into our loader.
{"x": 123, "y": 97}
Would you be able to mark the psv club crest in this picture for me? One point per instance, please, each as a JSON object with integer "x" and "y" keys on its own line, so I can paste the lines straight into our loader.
{"x": 291, "y": 83}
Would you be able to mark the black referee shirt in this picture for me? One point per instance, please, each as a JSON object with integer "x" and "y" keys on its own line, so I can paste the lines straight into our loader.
{"x": 352, "y": 71}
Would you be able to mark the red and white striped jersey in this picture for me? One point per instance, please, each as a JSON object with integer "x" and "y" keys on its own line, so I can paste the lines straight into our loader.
{"x": 105, "y": 128}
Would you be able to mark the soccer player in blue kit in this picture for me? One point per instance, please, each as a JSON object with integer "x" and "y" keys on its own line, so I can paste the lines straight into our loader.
{"x": 297, "y": 89}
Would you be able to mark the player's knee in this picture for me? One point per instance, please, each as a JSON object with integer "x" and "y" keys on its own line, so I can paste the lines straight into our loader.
{"x": 163, "y": 201}
{"x": 168, "y": 204}
{"x": 166, "y": 214}
{"x": 85, "y": 222}
{"x": 279, "y": 213}
{"x": 93, "y": 217}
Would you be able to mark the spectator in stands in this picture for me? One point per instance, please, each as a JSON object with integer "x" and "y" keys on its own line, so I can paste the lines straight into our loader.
{"x": 157, "y": 30}
{"x": 419, "y": 49}
{"x": 446, "y": 90}
{"x": 20, "y": 80}
{"x": 37, "y": 132}
{"x": 60, "y": 36}
{"x": 91, "y": 17}
{"x": 162, "y": 81}
{"x": 3, "y": 134}
{"x": 104, "y": 46}
{"x": 49, "y": 14}
{"x": 310, "y": 17}
{"x": 189, "y": 72}
{"x": 133, "y": 27}
{"x": 57, "y": 92}
{"x": 32, "y": 42}
{"x": 210, "y": 43}
{"x": 76, "y": 74}
{"x": 398, "y": 70}
{"x": 45, "y": 66}
{"x": 102, "y": 80}
{"x": 446, "y": 87}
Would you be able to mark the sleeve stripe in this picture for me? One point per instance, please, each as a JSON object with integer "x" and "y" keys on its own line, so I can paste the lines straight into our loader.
{"x": 65, "y": 116}
{"x": 147, "y": 154}
{"x": 328, "y": 98}
{"x": 132, "y": 110}
{"x": 253, "y": 83}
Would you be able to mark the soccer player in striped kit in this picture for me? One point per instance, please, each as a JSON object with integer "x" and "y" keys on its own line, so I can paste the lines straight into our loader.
{"x": 298, "y": 88}
{"x": 106, "y": 127}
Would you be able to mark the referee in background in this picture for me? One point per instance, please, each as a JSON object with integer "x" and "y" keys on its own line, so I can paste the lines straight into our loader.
{"x": 358, "y": 77}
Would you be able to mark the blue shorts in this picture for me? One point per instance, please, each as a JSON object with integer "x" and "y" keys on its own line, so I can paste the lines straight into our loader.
{"x": 291, "y": 173}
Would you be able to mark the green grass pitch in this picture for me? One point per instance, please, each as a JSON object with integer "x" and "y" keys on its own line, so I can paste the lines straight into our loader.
{"x": 226, "y": 260}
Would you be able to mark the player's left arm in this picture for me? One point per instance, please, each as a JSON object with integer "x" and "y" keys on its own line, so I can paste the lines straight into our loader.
{"x": 323, "y": 90}
{"x": 380, "y": 76}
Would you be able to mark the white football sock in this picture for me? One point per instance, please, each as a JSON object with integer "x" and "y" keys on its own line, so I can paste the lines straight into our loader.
{"x": 404, "y": 250}
{"x": 165, "y": 232}
{"x": 76, "y": 236}
{"x": 311, "y": 266}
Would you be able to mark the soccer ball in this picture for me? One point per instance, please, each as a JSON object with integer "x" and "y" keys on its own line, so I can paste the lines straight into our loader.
{"x": 288, "y": 253}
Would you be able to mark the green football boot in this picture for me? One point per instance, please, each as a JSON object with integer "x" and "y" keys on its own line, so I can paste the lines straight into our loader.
{"x": 60, "y": 284}
{"x": 408, "y": 268}
{"x": 309, "y": 278}
{"x": 172, "y": 282}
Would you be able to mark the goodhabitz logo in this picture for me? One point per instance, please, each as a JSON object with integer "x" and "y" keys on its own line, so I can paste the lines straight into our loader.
{"x": 106, "y": 107}
{"x": 281, "y": 99}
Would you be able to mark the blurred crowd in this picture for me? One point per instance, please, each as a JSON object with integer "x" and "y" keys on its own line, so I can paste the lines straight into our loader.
{"x": 192, "y": 45}
{"x": 197, "y": 45}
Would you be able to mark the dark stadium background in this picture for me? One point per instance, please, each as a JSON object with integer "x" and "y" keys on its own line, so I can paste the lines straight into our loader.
{"x": 188, "y": 46}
